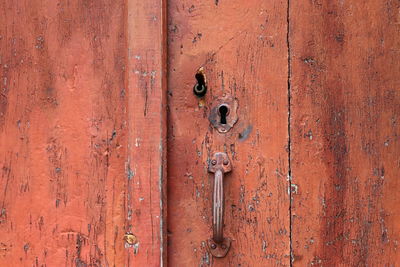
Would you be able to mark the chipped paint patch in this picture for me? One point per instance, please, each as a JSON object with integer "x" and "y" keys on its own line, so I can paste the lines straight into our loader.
{"x": 137, "y": 142}
{"x": 129, "y": 172}
{"x": 292, "y": 189}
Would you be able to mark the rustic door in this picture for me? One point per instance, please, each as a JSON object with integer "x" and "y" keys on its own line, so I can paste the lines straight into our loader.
{"x": 315, "y": 151}
{"x": 242, "y": 49}
{"x": 199, "y": 133}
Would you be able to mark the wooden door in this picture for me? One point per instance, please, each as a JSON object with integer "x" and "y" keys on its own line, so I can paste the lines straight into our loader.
{"x": 242, "y": 47}
{"x": 315, "y": 151}
{"x": 106, "y": 151}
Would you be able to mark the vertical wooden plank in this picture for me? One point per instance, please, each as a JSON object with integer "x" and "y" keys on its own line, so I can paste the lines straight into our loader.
{"x": 345, "y": 130}
{"x": 62, "y": 133}
{"x": 146, "y": 166}
{"x": 242, "y": 47}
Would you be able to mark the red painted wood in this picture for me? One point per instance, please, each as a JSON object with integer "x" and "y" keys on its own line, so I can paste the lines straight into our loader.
{"x": 82, "y": 133}
{"x": 345, "y": 132}
{"x": 83, "y": 112}
{"x": 242, "y": 47}
{"x": 146, "y": 165}
{"x": 62, "y": 133}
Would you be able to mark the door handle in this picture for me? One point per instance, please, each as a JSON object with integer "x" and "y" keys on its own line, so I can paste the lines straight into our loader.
{"x": 219, "y": 245}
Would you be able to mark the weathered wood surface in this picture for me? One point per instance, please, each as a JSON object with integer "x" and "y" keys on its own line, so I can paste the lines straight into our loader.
{"x": 242, "y": 47}
{"x": 72, "y": 103}
{"x": 345, "y": 147}
{"x": 146, "y": 166}
{"x": 83, "y": 127}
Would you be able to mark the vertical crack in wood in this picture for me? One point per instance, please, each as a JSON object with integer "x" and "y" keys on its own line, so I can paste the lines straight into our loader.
{"x": 164, "y": 134}
{"x": 289, "y": 130}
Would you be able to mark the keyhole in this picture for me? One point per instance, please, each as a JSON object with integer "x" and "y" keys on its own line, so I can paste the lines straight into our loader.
{"x": 223, "y": 111}
{"x": 200, "y": 88}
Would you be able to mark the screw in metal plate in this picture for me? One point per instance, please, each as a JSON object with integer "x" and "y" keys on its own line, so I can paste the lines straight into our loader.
{"x": 226, "y": 162}
{"x": 213, "y": 246}
{"x": 213, "y": 162}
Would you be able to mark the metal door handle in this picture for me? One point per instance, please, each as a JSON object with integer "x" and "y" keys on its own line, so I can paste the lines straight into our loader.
{"x": 219, "y": 165}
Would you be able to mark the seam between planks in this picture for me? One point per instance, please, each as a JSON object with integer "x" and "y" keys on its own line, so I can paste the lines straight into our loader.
{"x": 289, "y": 129}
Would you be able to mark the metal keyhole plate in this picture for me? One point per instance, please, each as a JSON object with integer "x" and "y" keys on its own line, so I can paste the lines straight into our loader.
{"x": 223, "y": 114}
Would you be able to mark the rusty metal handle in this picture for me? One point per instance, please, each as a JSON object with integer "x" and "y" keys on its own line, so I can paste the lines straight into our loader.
{"x": 219, "y": 165}
{"x": 218, "y": 206}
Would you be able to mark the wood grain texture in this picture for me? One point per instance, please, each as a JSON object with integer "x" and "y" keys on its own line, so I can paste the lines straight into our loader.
{"x": 146, "y": 166}
{"x": 83, "y": 132}
{"x": 76, "y": 118}
{"x": 62, "y": 133}
{"x": 345, "y": 112}
{"x": 242, "y": 47}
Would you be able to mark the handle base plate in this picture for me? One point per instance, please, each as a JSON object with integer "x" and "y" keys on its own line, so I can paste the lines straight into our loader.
{"x": 219, "y": 250}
